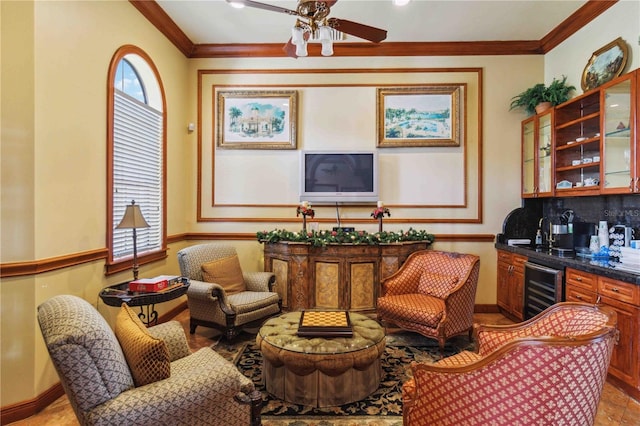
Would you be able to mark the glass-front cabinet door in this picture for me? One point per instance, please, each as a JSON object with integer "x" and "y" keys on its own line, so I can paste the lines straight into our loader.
{"x": 545, "y": 128}
{"x": 536, "y": 156}
{"x": 528, "y": 158}
{"x": 619, "y": 174}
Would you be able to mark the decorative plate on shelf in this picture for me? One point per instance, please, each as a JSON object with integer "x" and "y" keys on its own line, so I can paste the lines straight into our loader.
{"x": 605, "y": 64}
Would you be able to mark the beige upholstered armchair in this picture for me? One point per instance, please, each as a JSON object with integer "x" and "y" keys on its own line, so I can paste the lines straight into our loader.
{"x": 221, "y": 295}
{"x": 102, "y": 377}
{"x": 433, "y": 293}
{"x": 549, "y": 370}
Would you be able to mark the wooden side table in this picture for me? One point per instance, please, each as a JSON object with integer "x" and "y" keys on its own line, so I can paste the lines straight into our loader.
{"x": 116, "y": 294}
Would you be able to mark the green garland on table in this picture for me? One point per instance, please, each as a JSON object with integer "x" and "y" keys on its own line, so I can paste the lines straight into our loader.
{"x": 324, "y": 237}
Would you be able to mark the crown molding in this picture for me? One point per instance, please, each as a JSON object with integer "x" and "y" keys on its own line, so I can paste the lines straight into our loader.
{"x": 588, "y": 12}
{"x": 579, "y": 19}
{"x": 451, "y": 48}
{"x": 159, "y": 18}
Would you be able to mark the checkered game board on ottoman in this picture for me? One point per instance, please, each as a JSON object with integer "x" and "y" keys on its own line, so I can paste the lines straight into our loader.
{"x": 321, "y": 371}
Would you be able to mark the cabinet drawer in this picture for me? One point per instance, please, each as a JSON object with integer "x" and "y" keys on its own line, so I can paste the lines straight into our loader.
{"x": 581, "y": 279}
{"x": 578, "y": 294}
{"x": 619, "y": 290}
{"x": 504, "y": 256}
{"x": 518, "y": 262}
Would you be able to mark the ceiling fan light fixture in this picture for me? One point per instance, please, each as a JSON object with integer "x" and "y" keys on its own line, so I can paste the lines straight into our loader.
{"x": 327, "y": 48}
{"x": 401, "y": 2}
{"x": 314, "y": 25}
{"x": 297, "y": 36}
{"x": 301, "y": 49}
{"x": 324, "y": 34}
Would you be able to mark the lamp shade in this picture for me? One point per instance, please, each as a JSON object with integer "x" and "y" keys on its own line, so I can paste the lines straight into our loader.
{"x": 132, "y": 218}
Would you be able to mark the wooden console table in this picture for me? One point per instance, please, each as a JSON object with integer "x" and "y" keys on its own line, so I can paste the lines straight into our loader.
{"x": 338, "y": 276}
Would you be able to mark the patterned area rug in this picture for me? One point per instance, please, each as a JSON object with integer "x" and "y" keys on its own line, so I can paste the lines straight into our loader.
{"x": 382, "y": 408}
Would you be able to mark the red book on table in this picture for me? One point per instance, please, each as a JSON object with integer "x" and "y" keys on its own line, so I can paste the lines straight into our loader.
{"x": 148, "y": 285}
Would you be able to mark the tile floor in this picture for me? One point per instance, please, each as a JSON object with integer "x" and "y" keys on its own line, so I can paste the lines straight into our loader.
{"x": 616, "y": 407}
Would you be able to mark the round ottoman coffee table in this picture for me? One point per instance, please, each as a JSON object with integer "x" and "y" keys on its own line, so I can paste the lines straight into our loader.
{"x": 321, "y": 371}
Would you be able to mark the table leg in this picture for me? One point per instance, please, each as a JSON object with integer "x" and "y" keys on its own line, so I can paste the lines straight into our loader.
{"x": 150, "y": 317}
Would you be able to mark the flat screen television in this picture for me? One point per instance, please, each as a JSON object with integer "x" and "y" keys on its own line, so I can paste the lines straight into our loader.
{"x": 338, "y": 177}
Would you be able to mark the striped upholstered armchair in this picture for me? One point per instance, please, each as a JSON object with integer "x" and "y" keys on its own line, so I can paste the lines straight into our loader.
{"x": 97, "y": 372}
{"x": 548, "y": 370}
{"x": 433, "y": 293}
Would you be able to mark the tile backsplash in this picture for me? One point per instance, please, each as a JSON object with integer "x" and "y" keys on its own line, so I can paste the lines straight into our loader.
{"x": 615, "y": 209}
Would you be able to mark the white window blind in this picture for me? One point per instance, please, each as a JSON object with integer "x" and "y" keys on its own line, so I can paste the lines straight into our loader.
{"x": 137, "y": 173}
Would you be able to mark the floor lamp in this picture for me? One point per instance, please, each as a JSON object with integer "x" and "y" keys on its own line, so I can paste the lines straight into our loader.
{"x": 133, "y": 219}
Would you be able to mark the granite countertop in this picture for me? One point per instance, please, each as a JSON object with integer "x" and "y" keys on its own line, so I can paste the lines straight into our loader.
{"x": 604, "y": 268}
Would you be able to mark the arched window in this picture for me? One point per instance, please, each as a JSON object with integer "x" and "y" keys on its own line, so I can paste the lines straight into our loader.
{"x": 136, "y": 157}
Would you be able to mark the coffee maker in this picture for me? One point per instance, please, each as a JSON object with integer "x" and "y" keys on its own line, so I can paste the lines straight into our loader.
{"x": 582, "y": 232}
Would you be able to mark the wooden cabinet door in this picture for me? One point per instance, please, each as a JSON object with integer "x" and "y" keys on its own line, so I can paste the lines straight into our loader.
{"x": 503, "y": 298}
{"x": 517, "y": 293}
{"x": 510, "y": 285}
{"x": 624, "y": 360}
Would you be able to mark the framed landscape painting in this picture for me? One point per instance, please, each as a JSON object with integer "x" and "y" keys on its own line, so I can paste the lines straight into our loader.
{"x": 420, "y": 116}
{"x": 256, "y": 119}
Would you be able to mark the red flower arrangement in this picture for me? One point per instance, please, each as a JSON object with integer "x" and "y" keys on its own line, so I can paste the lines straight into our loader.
{"x": 380, "y": 212}
{"x": 305, "y": 210}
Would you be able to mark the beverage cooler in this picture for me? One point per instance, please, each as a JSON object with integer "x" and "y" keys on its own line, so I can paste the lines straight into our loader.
{"x": 543, "y": 287}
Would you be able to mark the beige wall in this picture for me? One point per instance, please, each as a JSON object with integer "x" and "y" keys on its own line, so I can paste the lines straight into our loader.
{"x": 501, "y": 142}
{"x": 570, "y": 57}
{"x": 55, "y": 57}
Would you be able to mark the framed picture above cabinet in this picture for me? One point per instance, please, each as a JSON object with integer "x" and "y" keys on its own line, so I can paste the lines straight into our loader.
{"x": 605, "y": 64}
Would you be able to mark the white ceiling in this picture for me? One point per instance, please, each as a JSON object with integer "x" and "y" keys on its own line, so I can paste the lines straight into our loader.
{"x": 216, "y": 22}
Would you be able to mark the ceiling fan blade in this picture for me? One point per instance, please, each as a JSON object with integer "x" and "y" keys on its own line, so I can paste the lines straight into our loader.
{"x": 331, "y": 2}
{"x": 290, "y": 49}
{"x": 264, "y": 6}
{"x": 366, "y": 32}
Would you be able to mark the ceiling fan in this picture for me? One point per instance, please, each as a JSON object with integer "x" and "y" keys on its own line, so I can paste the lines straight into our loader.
{"x": 313, "y": 23}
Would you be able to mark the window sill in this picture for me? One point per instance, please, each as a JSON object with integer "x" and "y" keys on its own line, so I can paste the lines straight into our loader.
{"x": 127, "y": 263}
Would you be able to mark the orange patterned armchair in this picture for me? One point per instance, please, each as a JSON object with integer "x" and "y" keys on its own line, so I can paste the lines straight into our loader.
{"x": 548, "y": 370}
{"x": 433, "y": 293}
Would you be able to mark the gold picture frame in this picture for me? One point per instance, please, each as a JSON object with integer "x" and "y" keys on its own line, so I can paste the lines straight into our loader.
{"x": 605, "y": 64}
{"x": 257, "y": 119}
{"x": 420, "y": 116}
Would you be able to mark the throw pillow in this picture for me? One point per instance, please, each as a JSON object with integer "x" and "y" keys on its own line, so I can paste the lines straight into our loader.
{"x": 225, "y": 272}
{"x": 147, "y": 356}
{"x": 436, "y": 285}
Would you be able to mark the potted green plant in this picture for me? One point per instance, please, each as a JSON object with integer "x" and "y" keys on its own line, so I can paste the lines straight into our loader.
{"x": 538, "y": 98}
